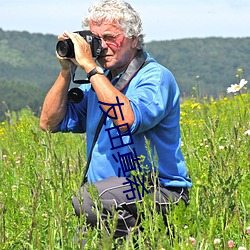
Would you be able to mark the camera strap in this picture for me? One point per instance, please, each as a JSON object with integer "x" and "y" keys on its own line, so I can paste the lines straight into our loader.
{"x": 136, "y": 64}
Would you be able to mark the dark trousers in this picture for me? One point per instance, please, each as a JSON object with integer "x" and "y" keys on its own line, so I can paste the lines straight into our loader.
{"x": 114, "y": 195}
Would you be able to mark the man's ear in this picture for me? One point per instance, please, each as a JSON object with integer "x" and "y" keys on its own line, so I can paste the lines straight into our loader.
{"x": 134, "y": 42}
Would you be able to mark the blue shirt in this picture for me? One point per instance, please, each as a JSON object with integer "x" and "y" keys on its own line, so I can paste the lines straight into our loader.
{"x": 154, "y": 98}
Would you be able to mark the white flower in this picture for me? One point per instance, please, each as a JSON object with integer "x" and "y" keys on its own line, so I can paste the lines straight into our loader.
{"x": 237, "y": 87}
{"x": 192, "y": 240}
{"x": 217, "y": 241}
{"x": 242, "y": 248}
{"x": 246, "y": 133}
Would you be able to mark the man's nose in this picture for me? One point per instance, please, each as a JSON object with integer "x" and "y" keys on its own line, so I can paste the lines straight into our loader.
{"x": 104, "y": 44}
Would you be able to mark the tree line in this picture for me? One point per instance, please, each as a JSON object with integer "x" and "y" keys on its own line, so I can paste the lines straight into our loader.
{"x": 202, "y": 67}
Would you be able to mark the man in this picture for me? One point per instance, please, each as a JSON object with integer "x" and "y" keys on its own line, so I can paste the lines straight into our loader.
{"x": 140, "y": 100}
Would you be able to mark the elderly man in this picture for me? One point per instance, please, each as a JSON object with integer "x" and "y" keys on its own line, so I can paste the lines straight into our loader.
{"x": 140, "y": 102}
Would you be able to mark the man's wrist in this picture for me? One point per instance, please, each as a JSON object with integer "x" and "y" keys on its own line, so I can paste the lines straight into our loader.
{"x": 65, "y": 73}
{"x": 96, "y": 70}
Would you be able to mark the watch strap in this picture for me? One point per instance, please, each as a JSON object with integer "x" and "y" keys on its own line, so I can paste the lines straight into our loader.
{"x": 93, "y": 72}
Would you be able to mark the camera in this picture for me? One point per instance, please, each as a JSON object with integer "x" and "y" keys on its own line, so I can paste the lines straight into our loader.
{"x": 65, "y": 48}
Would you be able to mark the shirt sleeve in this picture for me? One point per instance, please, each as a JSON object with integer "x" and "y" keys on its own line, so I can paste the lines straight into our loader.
{"x": 153, "y": 97}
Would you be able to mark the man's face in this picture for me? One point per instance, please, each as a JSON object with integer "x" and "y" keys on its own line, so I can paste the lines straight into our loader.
{"x": 118, "y": 50}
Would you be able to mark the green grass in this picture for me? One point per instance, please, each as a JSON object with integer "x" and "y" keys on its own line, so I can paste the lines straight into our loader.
{"x": 40, "y": 172}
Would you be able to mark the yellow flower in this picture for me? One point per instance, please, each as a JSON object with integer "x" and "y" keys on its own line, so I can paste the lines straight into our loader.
{"x": 195, "y": 105}
{"x": 240, "y": 70}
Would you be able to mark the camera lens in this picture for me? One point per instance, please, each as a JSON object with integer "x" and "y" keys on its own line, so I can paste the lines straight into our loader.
{"x": 65, "y": 48}
{"x": 75, "y": 95}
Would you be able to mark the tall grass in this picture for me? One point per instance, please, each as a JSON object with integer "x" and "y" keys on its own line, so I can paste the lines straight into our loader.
{"x": 40, "y": 172}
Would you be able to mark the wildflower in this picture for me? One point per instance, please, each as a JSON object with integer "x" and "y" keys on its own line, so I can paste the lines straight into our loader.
{"x": 192, "y": 240}
{"x": 237, "y": 87}
{"x": 230, "y": 244}
{"x": 242, "y": 248}
{"x": 14, "y": 188}
{"x": 248, "y": 230}
{"x": 240, "y": 70}
{"x": 247, "y": 133}
{"x": 45, "y": 216}
{"x": 195, "y": 106}
{"x": 221, "y": 147}
{"x": 198, "y": 182}
{"x": 216, "y": 241}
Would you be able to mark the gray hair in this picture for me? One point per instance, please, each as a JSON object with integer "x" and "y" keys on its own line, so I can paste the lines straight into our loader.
{"x": 120, "y": 13}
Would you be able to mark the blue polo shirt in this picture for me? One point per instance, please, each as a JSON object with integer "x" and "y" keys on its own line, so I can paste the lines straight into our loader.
{"x": 154, "y": 98}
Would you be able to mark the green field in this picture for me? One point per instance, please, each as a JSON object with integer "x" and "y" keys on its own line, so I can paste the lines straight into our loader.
{"x": 40, "y": 172}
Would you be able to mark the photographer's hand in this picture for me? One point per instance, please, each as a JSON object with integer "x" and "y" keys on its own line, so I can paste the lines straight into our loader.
{"x": 83, "y": 54}
{"x": 66, "y": 63}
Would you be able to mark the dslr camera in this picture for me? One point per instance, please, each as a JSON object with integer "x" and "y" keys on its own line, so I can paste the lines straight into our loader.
{"x": 65, "y": 48}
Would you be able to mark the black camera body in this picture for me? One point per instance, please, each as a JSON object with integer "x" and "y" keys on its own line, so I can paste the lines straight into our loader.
{"x": 65, "y": 48}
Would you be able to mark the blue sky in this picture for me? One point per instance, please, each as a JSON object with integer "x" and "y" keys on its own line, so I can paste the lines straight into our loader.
{"x": 162, "y": 19}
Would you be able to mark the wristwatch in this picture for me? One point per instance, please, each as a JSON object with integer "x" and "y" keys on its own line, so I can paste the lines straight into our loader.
{"x": 96, "y": 70}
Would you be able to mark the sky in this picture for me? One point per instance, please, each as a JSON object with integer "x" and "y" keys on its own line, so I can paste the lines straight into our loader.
{"x": 162, "y": 19}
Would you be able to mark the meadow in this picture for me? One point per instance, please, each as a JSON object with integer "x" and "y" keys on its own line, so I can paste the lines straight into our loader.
{"x": 40, "y": 172}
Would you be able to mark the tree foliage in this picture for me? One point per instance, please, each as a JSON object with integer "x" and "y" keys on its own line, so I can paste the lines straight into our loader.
{"x": 212, "y": 63}
{"x": 28, "y": 57}
{"x": 205, "y": 67}
{"x": 16, "y": 95}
